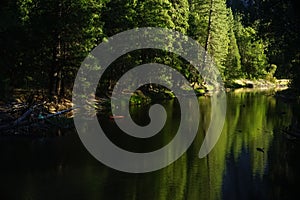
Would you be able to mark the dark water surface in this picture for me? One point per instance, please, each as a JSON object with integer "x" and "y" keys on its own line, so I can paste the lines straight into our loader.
{"x": 61, "y": 168}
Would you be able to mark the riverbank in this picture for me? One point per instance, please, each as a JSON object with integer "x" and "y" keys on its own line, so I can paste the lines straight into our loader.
{"x": 259, "y": 83}
{"x": 32, "y": 113}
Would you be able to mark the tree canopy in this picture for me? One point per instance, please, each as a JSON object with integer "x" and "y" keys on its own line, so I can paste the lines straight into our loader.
{"x": 43, "y": 42}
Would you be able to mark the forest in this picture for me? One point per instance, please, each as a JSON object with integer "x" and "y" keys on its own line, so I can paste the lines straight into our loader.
{"x": 43, "y": 42}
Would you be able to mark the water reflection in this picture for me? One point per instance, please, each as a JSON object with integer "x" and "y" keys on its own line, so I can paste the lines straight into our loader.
{"x": 61, "y": 168}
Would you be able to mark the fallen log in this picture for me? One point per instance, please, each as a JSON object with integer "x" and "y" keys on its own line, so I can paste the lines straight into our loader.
{"x": 26, "y": 114}
{"x": 58, "y": 113}
{"x": 20, "y": 122}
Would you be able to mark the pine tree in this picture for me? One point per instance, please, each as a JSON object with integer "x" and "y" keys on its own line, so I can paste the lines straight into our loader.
{"x": 233, "y": 60}
{"x": 154, "y": 13}
{"x": 209, "y": 26}
{"x": 180, "y": 15}
{"x": 119, "y": 15}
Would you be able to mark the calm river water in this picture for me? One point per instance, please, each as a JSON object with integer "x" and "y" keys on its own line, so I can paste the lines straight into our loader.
{"x": 61, "y": 168}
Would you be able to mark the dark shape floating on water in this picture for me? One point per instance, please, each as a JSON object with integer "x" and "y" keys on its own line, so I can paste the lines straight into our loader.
{"x": 260, "y": 149}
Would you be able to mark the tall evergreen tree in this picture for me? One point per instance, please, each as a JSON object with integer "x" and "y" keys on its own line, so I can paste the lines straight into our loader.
{"x": 154, "y": 13}
{"x": 209, "y": 26}
{"x": 233, "y": 60}
{"x": 180, "y": 15}
{"x": 119, "y": 15}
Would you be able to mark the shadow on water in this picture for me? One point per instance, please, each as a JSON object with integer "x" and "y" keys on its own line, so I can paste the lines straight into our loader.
{"x": 253, "y": 159}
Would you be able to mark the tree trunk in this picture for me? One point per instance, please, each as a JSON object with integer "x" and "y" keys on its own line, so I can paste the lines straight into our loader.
{"x": 208, "y": 28}
{"x": 57, "y": 68}
{"x": 52, "y": 73}
{"x": 208, "y": 37}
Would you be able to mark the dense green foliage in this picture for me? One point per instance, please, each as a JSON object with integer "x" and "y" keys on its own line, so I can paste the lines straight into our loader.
{"x": 43, "y": 42}
{"x": 252, "y": 51}
{"x": 233, "y": 60}
{"x": 277, "y": 23}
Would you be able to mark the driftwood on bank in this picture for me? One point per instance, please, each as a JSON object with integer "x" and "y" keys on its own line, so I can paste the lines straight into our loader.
{"x": 35, "y": 116}
{"x": 23, "y": 117}
{"x": 59, "y": 113}
{"x": 26, "y": 114}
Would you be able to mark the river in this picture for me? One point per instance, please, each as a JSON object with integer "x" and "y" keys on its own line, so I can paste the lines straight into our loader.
{"x": 61, "y": 168}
